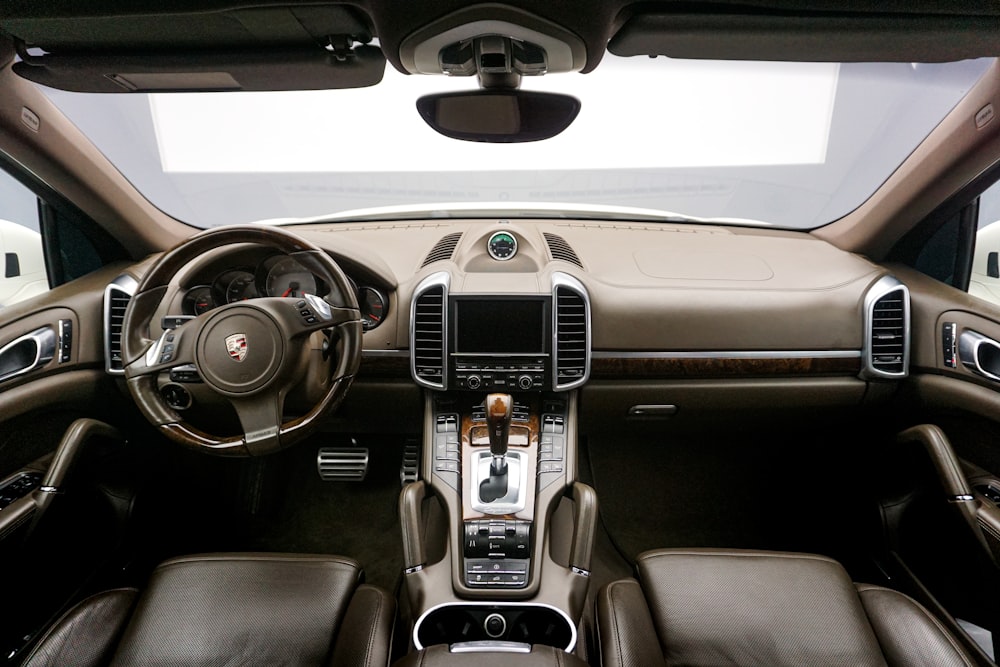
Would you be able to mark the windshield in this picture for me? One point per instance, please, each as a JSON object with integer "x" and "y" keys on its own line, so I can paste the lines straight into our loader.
{"x": 793, "y": 145}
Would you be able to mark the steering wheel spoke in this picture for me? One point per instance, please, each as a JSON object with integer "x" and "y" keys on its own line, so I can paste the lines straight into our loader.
{"x": 175, "y": 347}
{"x": 307, "y": 314}
{"x": 260, "y": 416}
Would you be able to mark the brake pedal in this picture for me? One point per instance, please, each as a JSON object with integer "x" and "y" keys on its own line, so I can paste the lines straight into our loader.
{"x": 342, "y": 464}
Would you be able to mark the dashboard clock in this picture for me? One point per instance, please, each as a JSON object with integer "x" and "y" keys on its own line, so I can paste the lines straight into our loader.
{"x": 502, "y": 246}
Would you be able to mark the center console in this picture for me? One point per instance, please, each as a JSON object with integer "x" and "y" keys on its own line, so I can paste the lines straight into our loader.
{"x": 498, "y": 533}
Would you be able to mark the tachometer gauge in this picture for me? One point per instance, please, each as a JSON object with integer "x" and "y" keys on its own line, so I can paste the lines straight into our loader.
{"x": 286, "y": 277}
{"x": 198, "y": 300}
{"x": 373, "y": 305}
{"x": 502, "y": 246}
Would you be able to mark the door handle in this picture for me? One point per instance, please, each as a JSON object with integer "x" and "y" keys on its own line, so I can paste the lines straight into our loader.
{"x": 27, "y": 353}
{"x": 980, "y": 354}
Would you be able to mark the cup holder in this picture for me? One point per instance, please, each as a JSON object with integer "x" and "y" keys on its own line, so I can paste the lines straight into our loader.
{"x": 522, "y": 622}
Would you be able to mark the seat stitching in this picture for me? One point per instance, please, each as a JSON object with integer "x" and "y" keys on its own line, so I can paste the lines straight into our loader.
{"x": 737, "y": 554}
{"x": 371, "y": 634}
{"x": 614, "y": 620}
{"x": 947, "y": 635}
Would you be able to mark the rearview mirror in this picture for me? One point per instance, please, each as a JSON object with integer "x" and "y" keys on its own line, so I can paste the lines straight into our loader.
{"x": 498, "y": 116}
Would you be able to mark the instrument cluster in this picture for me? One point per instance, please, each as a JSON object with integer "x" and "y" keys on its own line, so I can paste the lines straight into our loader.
{"x": 277, "y": 276}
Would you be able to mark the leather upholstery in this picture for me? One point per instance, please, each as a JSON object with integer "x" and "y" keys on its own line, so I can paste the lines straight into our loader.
{"x": 715, "y": 607}
{"x": 540, "y": 656}
{"x": 86, "y": 635}
{"x": 233, "y": 609}
{"x": 365, "y": 636}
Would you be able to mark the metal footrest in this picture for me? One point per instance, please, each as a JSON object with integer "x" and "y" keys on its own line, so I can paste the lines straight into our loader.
{"x": 342, "y": 464}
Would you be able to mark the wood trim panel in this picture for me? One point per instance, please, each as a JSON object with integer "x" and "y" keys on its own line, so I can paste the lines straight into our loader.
{"x": 610, "y": 368}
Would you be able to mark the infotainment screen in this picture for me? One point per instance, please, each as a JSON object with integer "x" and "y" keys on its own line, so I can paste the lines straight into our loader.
{"x": 499, "y": 326}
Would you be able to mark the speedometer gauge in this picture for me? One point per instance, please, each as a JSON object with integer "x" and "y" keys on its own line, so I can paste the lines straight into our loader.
{"x": 286, "y": 277}
{"x": 502, "y": 246}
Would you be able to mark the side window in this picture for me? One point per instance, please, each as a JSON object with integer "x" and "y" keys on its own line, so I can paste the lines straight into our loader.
{"x": 984, "y": 281}
{"x": 22, "y": 263}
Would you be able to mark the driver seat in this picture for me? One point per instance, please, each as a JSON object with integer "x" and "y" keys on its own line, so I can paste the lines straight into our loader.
{"x": 230, "y": 609}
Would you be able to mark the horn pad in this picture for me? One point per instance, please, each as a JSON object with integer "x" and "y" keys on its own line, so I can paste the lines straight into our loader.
{"x": 240, "y": 350}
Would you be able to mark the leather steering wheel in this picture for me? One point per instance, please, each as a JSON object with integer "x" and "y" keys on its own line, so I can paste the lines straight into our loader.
{"x": 252, "y": 353}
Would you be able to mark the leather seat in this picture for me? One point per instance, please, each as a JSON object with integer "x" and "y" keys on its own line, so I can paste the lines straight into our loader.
{"x": 714, "y": 607}
{"x": 230, "y": 609}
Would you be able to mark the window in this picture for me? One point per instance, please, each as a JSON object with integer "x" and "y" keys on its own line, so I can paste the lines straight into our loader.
{"x": 22, "y": 264}
{"x": 985, "y": 279}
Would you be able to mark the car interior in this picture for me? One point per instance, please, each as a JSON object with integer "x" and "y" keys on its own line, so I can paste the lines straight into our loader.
{"x": 604, "y": 333}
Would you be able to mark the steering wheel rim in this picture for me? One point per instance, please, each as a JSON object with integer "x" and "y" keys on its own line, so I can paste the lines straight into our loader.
{"x": 269, "y": 332}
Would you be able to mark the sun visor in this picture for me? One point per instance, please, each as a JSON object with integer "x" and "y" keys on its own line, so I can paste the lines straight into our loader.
{"x": 816, "y": 38}
{"x": 282, "y": 69}
{"x": 284, "y": 47}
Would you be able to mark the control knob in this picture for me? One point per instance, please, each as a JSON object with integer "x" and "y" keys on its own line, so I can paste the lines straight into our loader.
{"x": 524, "y": 382}
{"x": 495, "y": 625}
{"x": 474, "y": 382}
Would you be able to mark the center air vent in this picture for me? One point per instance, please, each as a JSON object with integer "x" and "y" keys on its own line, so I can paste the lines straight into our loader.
{"x": 116, "y": 298}
{"x": 428, "y": 334}
{"x": 443, "y": 249}
{"x": 571, "y": 332}
{"x": 560, "y": 249}
{"x": 887, "y": 330}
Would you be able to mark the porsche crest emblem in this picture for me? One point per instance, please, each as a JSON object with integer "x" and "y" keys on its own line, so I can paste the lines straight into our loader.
{"x": 237, "y": 347}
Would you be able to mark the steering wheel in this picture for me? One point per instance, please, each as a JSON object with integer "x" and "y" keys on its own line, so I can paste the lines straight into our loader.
{"x": 252, "y": 353}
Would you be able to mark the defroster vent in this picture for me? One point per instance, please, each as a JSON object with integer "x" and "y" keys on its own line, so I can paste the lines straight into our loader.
{"x": 443, "y": 249}
{"x": 887, "y": 330}
{"x": 560, "y": 249}
{"x": 571, "y": 323}
{"x": 429, "y": 331}
{"x": 116, "y": 298}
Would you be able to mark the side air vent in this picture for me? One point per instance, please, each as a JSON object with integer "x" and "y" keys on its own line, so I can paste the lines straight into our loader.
{"x": 887, "y": 330}
{"x": 428, "y": 332}
{"x": 443, "y": 249}
{"x": 560, "y": 249}
{"x": 571, "y": 332}
{"x": 116, "y": 298}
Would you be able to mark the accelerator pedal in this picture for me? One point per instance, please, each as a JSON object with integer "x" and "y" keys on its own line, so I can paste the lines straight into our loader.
{"x": 409, "y": 470}
{"x": 342, "y": 464}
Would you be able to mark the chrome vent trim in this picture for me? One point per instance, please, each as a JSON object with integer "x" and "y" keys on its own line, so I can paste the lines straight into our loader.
{"x": 560, "y": 249}
{"x": 429, "y": 331}
{"x": 116, "y": 298}
{"x": 443, "y": 249}
{"x": 570, "y": 332}
{"x": 886, "y": 348}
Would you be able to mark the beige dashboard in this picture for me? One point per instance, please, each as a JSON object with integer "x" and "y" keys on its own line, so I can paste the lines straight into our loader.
{"x": 653, "y": 287}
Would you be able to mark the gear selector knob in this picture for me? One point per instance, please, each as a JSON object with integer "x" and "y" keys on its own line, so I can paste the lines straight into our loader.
{"x": 498, "y": 412}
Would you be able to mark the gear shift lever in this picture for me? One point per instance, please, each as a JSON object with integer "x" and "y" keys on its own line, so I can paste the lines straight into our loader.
{"x": 498, "y": 413}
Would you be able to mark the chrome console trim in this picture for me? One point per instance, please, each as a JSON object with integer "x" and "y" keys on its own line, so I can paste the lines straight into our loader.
{"x": 496, "y": 605}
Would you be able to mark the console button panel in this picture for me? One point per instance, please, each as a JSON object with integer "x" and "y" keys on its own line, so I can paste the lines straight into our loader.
{"x": 497, "y": 553}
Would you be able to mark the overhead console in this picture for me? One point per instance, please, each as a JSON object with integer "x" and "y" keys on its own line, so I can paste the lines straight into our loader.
{"x": 500, "y": 342}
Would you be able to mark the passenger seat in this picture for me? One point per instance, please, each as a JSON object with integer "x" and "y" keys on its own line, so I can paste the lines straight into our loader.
{"x": 755, "y": 608}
